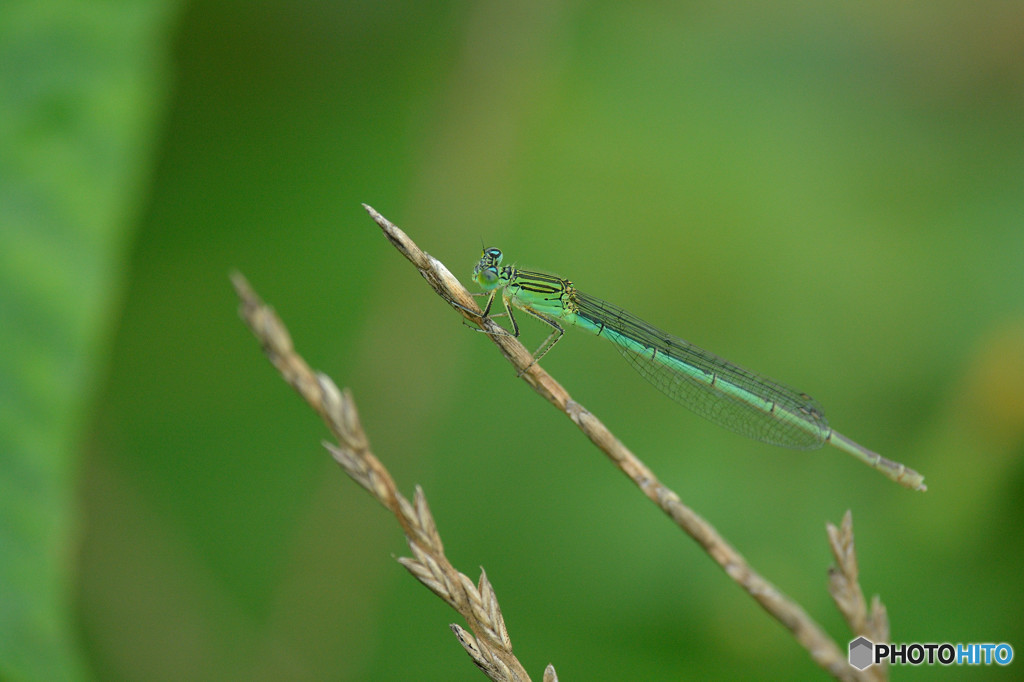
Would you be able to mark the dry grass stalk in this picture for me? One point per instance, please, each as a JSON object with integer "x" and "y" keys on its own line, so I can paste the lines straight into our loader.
{"x": 489, "y": 645}
{"x": 805, "y": 630}
{"x": 845, "y": 589}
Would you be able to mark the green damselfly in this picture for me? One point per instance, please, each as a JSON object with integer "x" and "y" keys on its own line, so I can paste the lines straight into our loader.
{"x": 726, "y": 394}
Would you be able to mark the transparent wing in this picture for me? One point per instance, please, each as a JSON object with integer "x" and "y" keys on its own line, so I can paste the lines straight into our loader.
{"x": 728, "y": 395}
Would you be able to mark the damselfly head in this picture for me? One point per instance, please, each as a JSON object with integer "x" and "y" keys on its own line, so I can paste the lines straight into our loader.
{"x": 486, "y": 271}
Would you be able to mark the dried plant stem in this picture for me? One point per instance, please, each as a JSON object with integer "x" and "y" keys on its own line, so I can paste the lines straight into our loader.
{"x": 806, "y": 631}
{"x": 844, "y": 587}
{"x": 489, "y": 645}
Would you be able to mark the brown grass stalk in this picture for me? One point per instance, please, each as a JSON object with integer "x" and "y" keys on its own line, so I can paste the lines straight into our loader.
{"x": 844, "y": 586}
{"x": 489, "y": 645}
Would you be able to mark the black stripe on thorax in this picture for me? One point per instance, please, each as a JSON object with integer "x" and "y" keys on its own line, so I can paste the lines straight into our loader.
{"x": 539, "y": 282}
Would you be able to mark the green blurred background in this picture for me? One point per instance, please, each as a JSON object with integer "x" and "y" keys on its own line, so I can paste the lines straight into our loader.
{"x": 830, "y": 193}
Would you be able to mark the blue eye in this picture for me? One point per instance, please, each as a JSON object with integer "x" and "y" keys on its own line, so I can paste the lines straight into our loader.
{"x": 493, "y": 254}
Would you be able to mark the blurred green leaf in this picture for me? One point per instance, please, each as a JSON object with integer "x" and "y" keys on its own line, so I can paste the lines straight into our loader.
{"x": 81, "y": 86}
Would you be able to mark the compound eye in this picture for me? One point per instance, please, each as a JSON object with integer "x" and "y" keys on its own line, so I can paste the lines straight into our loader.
{"x": 489, "y": 275}
{"x": 493, "y": 254}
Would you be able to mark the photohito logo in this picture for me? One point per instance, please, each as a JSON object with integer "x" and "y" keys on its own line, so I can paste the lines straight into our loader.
{"x": 864, "y": 653}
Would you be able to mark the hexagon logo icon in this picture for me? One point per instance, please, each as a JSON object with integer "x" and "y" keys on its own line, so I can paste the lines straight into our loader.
{"x": 861, "y": 653}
